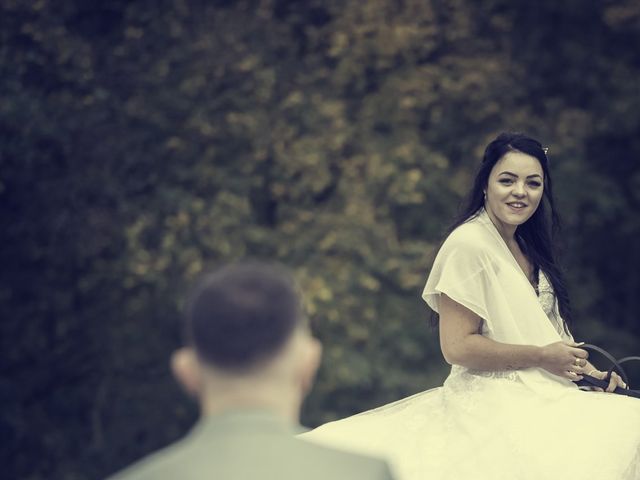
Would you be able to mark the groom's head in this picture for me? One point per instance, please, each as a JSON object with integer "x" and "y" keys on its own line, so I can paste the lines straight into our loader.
{"x": 246, "y": 320}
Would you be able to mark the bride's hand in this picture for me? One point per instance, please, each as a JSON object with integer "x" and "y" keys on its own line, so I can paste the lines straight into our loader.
{"x": 564, "y": 359}
{"x": 615, "y": 381}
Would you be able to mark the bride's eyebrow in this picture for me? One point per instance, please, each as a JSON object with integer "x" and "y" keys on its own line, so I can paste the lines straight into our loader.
{"x": 516, "y": 176}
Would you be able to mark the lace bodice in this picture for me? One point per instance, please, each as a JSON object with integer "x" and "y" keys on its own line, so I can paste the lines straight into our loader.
{"x": 545, "y": 295}
{"x": 549, "y": 305}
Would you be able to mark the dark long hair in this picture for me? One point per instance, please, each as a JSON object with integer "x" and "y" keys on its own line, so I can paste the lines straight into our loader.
{"x": 536, "y": 237}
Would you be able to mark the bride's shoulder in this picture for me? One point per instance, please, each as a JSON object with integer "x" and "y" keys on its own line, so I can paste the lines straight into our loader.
{"x": 470, "y": 236}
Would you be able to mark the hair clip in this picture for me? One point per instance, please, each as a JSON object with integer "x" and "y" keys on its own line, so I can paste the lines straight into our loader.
{"x": 545, "y": 150}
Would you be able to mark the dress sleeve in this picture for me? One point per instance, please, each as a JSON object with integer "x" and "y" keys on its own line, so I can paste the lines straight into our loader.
{"x": 462, "y": 272}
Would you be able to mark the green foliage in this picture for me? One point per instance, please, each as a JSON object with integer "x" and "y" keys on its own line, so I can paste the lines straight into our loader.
{"x": 141, "y": 142}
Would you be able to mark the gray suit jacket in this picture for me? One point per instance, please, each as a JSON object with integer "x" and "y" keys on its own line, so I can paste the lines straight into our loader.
{"x": 247, "y": 445}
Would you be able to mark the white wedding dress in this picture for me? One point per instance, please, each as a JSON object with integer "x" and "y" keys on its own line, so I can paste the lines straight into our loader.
{"x": 516, "y": 425}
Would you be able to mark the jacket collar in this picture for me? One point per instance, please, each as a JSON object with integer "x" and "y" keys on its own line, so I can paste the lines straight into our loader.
{"x": 248, "y": 420}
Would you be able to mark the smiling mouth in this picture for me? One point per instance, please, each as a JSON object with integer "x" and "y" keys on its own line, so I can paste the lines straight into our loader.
{"x": 517, "y": 205}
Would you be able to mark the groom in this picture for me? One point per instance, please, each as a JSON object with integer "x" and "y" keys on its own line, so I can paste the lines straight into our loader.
{"x": 249, "y": 360}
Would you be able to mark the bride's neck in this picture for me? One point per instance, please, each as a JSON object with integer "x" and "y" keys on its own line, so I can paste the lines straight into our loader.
{"x": 506, "y": 231}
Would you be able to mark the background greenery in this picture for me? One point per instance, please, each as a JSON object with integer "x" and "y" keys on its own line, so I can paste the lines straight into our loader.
{"x": 141, "y": 142}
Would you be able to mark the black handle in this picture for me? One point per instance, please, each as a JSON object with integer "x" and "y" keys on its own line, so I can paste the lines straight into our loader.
{"x": 615, "y": 364}
{"x": 589, "y": 381}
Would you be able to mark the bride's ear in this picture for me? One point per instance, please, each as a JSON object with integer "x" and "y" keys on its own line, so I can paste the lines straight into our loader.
{"x": 186, "y": 369}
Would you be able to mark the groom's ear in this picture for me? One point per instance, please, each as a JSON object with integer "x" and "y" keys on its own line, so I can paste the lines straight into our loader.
{"x": 310, "y": 363}
{"x": 187, "y": 371}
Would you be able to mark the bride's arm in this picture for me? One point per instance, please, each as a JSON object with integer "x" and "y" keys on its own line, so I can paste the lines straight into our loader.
{"x": 462, "y": 344}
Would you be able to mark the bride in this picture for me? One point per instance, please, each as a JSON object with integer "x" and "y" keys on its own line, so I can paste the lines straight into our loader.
{"x": 509, "y": 408}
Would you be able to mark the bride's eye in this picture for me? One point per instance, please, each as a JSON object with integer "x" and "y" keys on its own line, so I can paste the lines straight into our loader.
{"x": 535, "y": 184}
{"x": 506, "y": 181}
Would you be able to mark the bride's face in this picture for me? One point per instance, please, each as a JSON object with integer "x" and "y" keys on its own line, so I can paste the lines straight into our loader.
{"x": 514, "y": 189}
